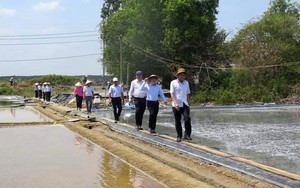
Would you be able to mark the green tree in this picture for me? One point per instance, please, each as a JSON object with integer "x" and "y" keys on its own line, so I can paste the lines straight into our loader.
{"x": 269, "y": 47}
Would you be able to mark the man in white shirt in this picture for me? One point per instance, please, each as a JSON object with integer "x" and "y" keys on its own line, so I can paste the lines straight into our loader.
{"x": 88, "y": 95}
{"x": 116, "y": 98}
{"x": 139, "y": 97}
{"x": 180, "y": 94}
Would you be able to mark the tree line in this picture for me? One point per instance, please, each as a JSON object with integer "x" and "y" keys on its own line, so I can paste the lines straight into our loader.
{"x": 260, "y": 63}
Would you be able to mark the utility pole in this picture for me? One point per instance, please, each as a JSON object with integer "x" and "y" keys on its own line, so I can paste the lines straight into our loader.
{"x": 127, "y": 80}
{"x": 121, "y": 60}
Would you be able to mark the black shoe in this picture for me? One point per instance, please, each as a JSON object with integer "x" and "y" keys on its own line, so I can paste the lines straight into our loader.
{"x": 140, "y": 128}
{"x": 116, "y": 121}
{"x": 178, "y": 139}
{"x": 151, "y": 131}
{"x": 137, "y": 128}
{"x": 187, "y": 138}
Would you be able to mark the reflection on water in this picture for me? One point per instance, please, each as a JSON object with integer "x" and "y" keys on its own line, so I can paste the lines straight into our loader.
{"x": 52, "y": 156}
{"x": 22, "y": 114}
{"x": 267, "y": 135}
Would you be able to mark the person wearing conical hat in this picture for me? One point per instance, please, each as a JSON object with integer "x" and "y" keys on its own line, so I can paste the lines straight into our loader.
{"x": 180, "y": 94}
{"x": 153, "y": 92}
{"x": 88, "y": 95}
{"x": 78, "y": 94}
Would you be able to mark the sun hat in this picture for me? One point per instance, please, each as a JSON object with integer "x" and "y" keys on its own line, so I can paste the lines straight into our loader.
{"x": 138, "y": 72}
{"x": 88, "y": 82}
{"x": 36, "y": 84}
{"x": 45, "y": 83}
{"x": 78, "y": 84}
{"x": 181, "y": 70}
{"x": 153, "y": 76}
{"x": 115, "y": 79}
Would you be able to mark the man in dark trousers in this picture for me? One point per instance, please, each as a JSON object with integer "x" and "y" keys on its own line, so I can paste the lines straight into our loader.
{"x": 180, "y": 94}
{"x": 116, "y": 98}
{"x": 139, "y": 97}
{"x": 154, "y": 91}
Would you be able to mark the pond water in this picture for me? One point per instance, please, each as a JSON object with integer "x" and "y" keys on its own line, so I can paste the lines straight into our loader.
{"x": 53, "y": 156}
{"x": 21, "y": 115}
{"x": 270, "y": 135}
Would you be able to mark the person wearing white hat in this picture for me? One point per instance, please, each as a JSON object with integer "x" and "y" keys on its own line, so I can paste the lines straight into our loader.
{"x": 44, "y": 90}
{"x": 36, "y": 92}
{"x": 153, "y": 93}
{"x": 78, "y": 94}
{"x": 48, "y": 90}
{"x": 88, "y": 94}
{"x": 40, "y": 90}
{"x": 180, "y": 94}
{"x": 116, "y": 98}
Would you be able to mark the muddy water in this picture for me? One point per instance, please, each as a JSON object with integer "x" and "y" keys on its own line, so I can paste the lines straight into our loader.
{"x": 267, "y": 135}
{"x": 53, "y": 156}
{"x": 21, "y": 114}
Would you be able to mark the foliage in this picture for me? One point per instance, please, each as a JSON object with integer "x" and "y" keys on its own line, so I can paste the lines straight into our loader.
{"x": 160, "y": 36}
{"x": 56, "y": 79}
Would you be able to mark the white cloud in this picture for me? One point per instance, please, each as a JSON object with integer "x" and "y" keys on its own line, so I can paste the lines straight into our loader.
{"x": 49, "y": 6}
{"x": 7, "y": 12}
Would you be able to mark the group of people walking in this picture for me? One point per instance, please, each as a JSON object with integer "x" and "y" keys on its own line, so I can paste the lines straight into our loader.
{"x": 43, "y": 91}
{"x": 145, "y": 93}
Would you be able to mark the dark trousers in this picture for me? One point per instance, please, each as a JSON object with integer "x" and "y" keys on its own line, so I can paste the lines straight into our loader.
{"x": 153, "y": 107}
{"x": 40, "y": 94}
{"x": 36, "y": 93}
{"x": 44, "y": 96}
{"x": 79, "y": 101}
{"x": 47, "y": 96}
{"x": 89, "y": 103}
{"x": 140, "y": 106}
{"x": 185, "y": 111}
{"x": 117, "y": 106}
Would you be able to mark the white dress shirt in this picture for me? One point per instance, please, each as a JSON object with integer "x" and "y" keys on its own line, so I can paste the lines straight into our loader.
{"x": 180, "y": 90}
{"x": 115, "y": 91}
{"x": 135, "y": 89}
{"x": 88, "y": 91}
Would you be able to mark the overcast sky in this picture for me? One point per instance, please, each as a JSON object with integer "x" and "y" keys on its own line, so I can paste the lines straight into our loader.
{"x": 35, "y": 17}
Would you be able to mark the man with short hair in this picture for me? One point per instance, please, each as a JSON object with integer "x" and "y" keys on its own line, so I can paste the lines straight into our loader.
{"x": 116, "y": 98}
{"x": 180, "y": 94}
{"x": 139, "y": 97}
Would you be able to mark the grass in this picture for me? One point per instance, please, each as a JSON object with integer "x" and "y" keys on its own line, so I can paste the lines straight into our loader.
{"x": 6, "y": 103}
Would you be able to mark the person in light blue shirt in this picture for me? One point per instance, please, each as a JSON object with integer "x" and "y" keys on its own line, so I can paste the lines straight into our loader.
{"x": 154, "y": 91}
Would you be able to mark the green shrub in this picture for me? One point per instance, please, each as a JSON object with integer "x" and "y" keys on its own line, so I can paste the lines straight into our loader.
{"x": 7, "y": 91}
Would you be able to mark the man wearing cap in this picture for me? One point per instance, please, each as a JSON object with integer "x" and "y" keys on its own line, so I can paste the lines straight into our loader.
{"x": 88, "y": 94}
{"x": 116, "y": 98}
{"x": 139, "y": 97}
{"x": 153, "y": 92}
{"x": 180, "y": 94}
